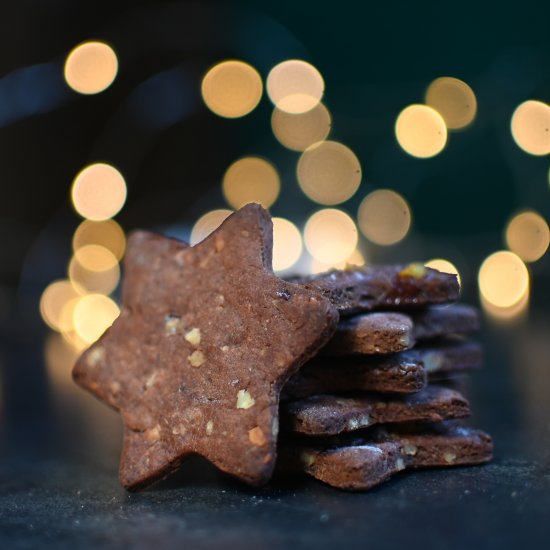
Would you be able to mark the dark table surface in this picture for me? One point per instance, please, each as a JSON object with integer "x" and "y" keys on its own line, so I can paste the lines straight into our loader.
{"x": 59, "y": 458}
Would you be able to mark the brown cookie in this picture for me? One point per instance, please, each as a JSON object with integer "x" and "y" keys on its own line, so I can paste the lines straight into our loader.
{"x": 380, "y": 287}
{"x": 205, "y": 340}
{"x": 390, "y": 332}
{"x": 323, "y": 415}
{"x": 403, "y": 372}
{"x": 366, "y": 462}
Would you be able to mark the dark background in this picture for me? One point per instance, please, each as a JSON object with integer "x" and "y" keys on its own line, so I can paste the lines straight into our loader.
{"x": 59, "y": 452}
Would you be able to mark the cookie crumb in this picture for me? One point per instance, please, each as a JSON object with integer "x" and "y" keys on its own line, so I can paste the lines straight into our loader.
{"x": 209, "y": 427}
{"x": 409, "y": 449}
{"x": 197, "y": 358}
{"x": 151, "y": 380}
{"x": 257, "y": 437}
{"x": 307, "y": 459}
{"x": 400, "y": 464}
{"x": 414, "y": 270}
{"x": 193, "y": 336}
{"x": 244, "y": 400}
{"x": 152, "y": 434}
{"x": 95, "y": 356}
{"x": 449, "y": 457}
{"x": 172, "y": 323}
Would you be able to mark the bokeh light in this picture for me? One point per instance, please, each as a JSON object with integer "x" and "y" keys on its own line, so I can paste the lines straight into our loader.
{"x": 93, "y": 281}
{"x": 287, "y": 244}
{"x": 208, "y": 223}
{"x": 507, "y": 314}
{"x": 445, "y": 266}
{"x": 330, "y": 236}
{"x": 232, "y": 89}
{"x": 454, "y": 100}
{"x": 107, "y": 233}
{"x": 421, "y": 131}
{"x": 92, "y": 315}
{"x": 91, "y": 67}
{"x": 94, "y": 257}
{"x": 298, "y": 131}
{"x": 52, "y": 302}
{"x": 98, "y": 192}
{"x": 528, "y": 235}
{"x": 384, "y": 217}
{"x": 295, "y": 86}
{"x": 356, "y": 259}
{"x": 329, "y": 172}
{"x": 531, "y": 127}
{"x": 251, "y": 179}
{"x": 503, "y": 279}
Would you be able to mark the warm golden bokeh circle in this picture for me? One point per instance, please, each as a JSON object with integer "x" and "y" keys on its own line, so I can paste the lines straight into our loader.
{"x": 421, "y": 131}
{"x": 92, "y": 281}
{"x": 445, "y": 266}
{"x": 454, "y": 100}
{"x": 287, "y": 244}
{"x": 330, "y": 236}
{"x": 531, "y": 127}
{"x": 94, "y": 257}
{"x": 98, "y": 192}
{"x": 384, "y": 217}
{"x": 232, "y": 89}
{"x": 251, "y": 179}
{"x": 298, "y": 131}
{"x": 91, "y": 67}
{"x": 295, "y": 86}
{"x": 54, "y": 299}
{"x": 528, "y": 235}
{"x": 107, "y": 233}
{"x": 207, "y": 223}
{"x": 503, "y": 279}
{"x": 329, "y": 173}
{"x": 93, "y": 314}
{"x": 356, "y": 259}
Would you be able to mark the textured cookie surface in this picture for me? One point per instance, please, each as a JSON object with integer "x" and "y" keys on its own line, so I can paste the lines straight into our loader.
{"x": 206, "y": 337}
{"x": 378, "y": 287}
{"x": 323, "y": 415}
{"x": 362, "y": 463}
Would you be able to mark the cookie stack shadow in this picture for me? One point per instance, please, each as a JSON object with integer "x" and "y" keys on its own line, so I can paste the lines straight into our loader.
{"x": 387, "y": 393}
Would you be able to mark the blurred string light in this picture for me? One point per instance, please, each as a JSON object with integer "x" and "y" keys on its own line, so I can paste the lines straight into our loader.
{"x": 98, "y": 192}
{"x": 52, "y": 302}
{"x": 454, "y": 100}
{"x": 107, "y": 233}
{"x": 251, "y": 179}
{"x": 329, "y": 172}
{"x": 355, "y": 259}
{"x": 91, "y": 67}
{"x": 92, "y": 315}
{"x": 330, "y": 236}
{"x": 95, "y": 257}
{"x": 384, "y": 217}
{"x": 287, "y": 244}
{"x": 421, "y": 131}
{"x": 445, "y": 266}
{"x": 298, "y": 131}
{"x": 295, "y": 86}
{"x": 504, "y": 285}
{"x": 527, "y": 234}
{"x": 232, "y": 89}
{"x": 208, "y": 223}
{"x": 93, "y": 280}
{"x": 531, "y": 127}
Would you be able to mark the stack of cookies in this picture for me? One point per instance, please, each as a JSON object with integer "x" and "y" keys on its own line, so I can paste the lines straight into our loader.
{"x": 383, "y": 395}
{"x": 209, "y": 337}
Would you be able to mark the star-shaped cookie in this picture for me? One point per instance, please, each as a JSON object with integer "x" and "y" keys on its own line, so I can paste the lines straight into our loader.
{"x": 205, "y": 340}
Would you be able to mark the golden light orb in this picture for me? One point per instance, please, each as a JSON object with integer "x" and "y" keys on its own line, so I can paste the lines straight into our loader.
{"x": 91, "y": 67}
{"x": 98, "y": 192}
{"x": 93, "y": 315}
{"x": 384, "y": 217}
{"x": 329, "y": 173}
{"x": 232, "y": 89}
{"x": 207, "y": 223}
{"x": 54, "y": 298}
{"x": 531, "y": 127}
{"x": 251, "y": 179}
{"x": 503, "y": 279}
{"x": 295, "y": 86}
{"x": 528, "y": 235}
{"x": 454, "y": 100}
{"x": 298, "y": 131}
{"x": 330, "y": 236}
{"x": 421, "y": 131}
{"x": 287, "y": 244}
{"x": 107, "y": 233}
